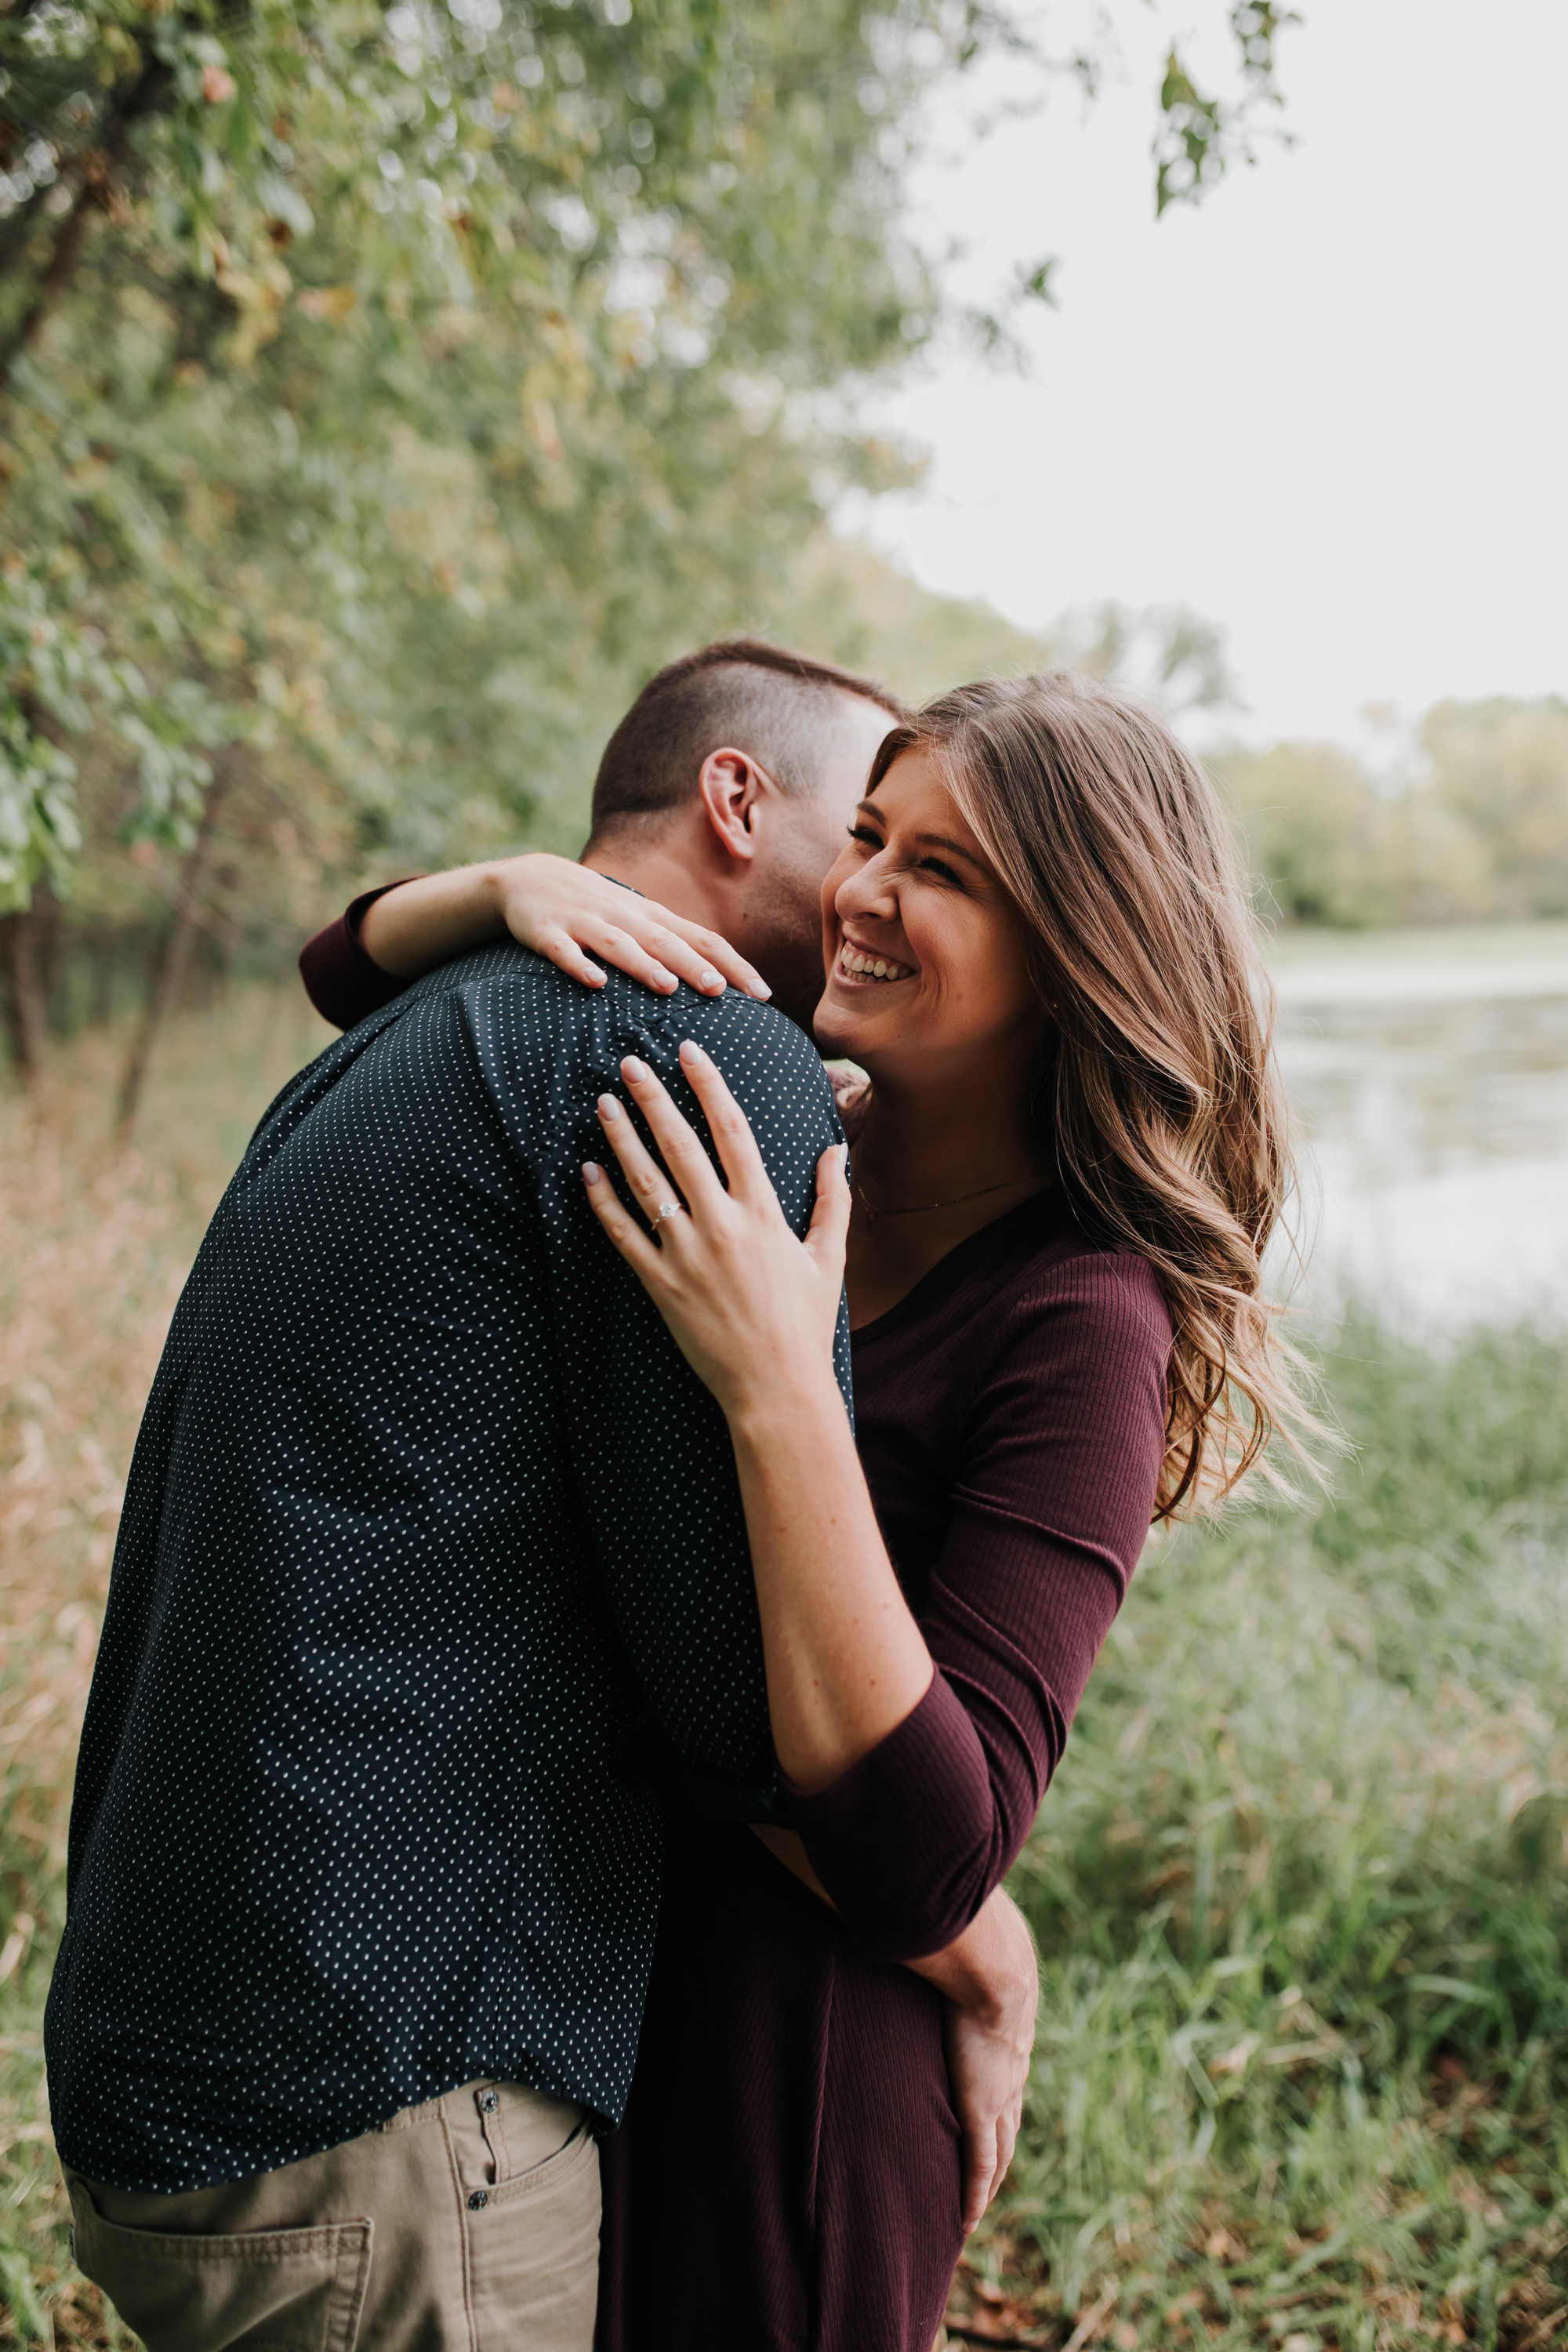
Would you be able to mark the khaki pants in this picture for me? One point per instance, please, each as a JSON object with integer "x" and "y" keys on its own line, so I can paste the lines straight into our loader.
{"x": 469, "y": 2225}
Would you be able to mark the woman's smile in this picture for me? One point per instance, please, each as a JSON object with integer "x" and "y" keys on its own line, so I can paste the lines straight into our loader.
{"x": 857, "y": 965}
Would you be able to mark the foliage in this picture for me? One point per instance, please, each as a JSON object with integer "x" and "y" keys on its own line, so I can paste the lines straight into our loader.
{"x": 387, "y": 389}
{"x": 1203, "y": 132}
{"x": 1500, "y": 768}
{"x": 1482, "y": 830}
{"x": 569, "y": 276}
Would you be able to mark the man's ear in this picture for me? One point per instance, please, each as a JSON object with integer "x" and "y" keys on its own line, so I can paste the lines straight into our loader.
{"x": 729, "y": 787}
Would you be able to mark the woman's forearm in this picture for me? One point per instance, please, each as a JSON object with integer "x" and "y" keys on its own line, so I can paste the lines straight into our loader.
{"x": 846, "y": 1660}
{"x": 409, "y": 930}
{"x": 992, "y": 1972}
{"x": 990, "y": 1982}
{"x": 753, "y": 1310}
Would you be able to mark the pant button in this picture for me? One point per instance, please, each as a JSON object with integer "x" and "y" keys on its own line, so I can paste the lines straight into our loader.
{"x": 478, "y": 2200}
{"x": 489, "y": 2101}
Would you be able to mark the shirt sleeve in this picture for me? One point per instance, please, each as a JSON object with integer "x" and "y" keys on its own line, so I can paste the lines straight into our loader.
{"x": 341, "y": 981}
{"x": 1050, "y": 1512}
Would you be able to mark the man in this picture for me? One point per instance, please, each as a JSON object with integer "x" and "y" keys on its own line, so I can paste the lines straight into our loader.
{"x": 429, "y": 1528}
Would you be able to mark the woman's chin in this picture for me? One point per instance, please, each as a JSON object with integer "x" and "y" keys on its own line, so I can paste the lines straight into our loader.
{"x": 834, "y": 1026}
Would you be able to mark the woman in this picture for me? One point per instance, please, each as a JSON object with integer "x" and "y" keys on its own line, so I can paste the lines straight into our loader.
{"x": 1067, "y": 1165}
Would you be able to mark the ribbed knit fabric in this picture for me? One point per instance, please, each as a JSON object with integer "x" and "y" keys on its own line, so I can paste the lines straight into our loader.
{"x": 788, "y": 2176}
{"x": 341, "y": 981}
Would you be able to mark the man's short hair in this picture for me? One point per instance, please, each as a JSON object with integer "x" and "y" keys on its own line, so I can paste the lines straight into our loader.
{"x": 777, "y": 707}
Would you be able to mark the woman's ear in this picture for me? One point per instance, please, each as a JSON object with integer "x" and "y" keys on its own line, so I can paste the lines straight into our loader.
{"x": 729, "y": 786}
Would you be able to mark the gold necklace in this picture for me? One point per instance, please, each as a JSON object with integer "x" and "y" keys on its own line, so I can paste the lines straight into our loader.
{"x": 920, "y": 1208}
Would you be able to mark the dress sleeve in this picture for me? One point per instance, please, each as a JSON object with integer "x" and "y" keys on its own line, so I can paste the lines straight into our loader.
{"x": 1051, "y": 1509}
{"x": 341, "y": 981}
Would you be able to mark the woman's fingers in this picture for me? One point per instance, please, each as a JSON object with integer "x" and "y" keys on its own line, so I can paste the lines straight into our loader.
{"x": 564, "y": 952}
{"x": 634, "y": 1246}
{"x": 742, "y": 1162}
{"x": 829, "y": 1233}
{"x": 650, "y": 1184}
{"x": 683, "y": 1154}
{"x": 690, "y": 948}
{"x": 979, "y": 2171}
{"x": 1007, "y": 2141}
{"x": 570, "y": 914}
{"x": 630, "y": 952}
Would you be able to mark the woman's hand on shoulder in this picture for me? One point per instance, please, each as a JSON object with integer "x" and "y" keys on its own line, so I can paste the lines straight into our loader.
{"x": 570, "y": 914}
{"x": 564, "y": 911}
{"x": 753, "y": 1308}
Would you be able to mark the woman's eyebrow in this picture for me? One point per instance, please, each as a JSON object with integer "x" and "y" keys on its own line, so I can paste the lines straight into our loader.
{"x": 942, "y": 841}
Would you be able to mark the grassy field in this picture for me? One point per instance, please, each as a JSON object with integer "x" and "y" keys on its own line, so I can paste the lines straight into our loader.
{"x": 1300, "y": 1889}
{"x": 1300, "y": 1893}
{"x": 94, "y": 1245}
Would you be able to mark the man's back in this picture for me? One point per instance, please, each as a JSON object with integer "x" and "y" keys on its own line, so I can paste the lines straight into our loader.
{"x": 427, "y": 1523}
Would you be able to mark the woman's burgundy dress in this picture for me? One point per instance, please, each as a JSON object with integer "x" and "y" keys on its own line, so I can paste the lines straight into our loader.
{"x": 786, "y": 2175}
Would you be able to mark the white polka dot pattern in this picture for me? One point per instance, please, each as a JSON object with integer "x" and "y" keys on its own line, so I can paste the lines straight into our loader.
{"x": 428, "y": 1525}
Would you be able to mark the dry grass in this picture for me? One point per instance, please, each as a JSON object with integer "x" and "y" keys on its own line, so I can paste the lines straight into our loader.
{"x": 94, "y": 1245}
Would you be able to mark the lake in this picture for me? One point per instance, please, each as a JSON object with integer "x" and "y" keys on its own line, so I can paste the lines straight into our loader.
{"x": 1429, "y": 1071}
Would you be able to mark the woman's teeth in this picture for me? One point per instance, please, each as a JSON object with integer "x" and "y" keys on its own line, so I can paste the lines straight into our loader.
{"x": 865, "y": 967}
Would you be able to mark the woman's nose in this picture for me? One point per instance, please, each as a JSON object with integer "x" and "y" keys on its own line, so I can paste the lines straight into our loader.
{"x": 868, "y": 891}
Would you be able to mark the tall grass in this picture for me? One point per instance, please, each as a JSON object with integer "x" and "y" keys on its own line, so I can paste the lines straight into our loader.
{"x": 94, "y": 1245}
{"x": 1300, "y": 1889}
{"x": 1301, "y": 1899}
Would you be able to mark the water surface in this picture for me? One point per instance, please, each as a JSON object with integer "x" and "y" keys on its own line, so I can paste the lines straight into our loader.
{"x": 1430, "y": 1074}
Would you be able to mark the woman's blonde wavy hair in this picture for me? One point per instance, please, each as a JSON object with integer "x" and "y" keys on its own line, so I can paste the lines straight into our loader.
{"x": 1160, "y": 1092}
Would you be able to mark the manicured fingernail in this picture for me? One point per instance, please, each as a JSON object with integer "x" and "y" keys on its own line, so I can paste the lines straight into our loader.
{"x": 635, "y": 1070}
{"x": 691, "y": 1053}
{"x": 608, "y": 1107}
{"x": 662, "y": 979}
{"x": 709, "y": 978}
{"x": 762, "y": 989}
{"x": 591, "y": 1174}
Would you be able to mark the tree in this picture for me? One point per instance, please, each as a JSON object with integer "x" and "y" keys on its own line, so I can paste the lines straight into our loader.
{"x": 1501, "y": 769}
{"x": 1482, "y": 831}
{"x": 386, "y": 389}
{"x": 1310, "y": 826}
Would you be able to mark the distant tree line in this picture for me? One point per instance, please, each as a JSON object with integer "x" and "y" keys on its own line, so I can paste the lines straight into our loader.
{"x": 1476, "y": 829}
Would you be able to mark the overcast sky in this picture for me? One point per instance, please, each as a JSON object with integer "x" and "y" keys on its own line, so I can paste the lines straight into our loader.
{"x": 1327, "y": 408}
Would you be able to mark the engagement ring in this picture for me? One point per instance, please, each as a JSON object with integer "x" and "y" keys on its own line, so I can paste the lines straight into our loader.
{"x": 666, "y": 1209}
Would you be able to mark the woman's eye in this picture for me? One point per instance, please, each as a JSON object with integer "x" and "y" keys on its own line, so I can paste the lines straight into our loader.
{"x": 944, "y": 873}
{"x": 864, "y": 833}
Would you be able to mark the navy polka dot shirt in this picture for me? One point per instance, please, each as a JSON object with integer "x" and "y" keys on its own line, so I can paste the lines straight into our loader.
{"x": 430, "y": 1533}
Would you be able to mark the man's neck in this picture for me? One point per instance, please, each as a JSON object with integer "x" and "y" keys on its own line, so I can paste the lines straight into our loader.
{"x": 663, "y": 870}
{"x": 685, "y": 869}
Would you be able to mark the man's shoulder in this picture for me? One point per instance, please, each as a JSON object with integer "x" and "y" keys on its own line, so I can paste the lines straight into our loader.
{"x": 760, "y": 1050}
{"x": 729, "y": 1023}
